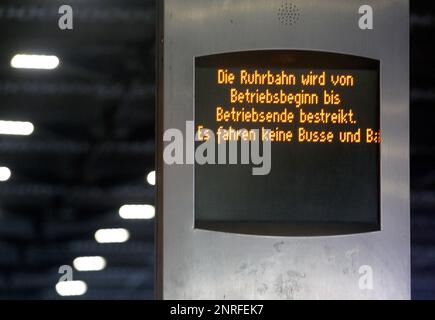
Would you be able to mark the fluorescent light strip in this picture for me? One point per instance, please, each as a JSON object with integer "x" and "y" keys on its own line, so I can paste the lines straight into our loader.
{"x": 34, "y": 61}
{"x": 151, "y": 178}
{"x": 137, "y": 211}
{"x": 5, "y": 174}
{"x": 20, "y": 128}
{"x": 71, "y": 288}
{"x": 96, "y": 263}
{"x": 112, "y": 235}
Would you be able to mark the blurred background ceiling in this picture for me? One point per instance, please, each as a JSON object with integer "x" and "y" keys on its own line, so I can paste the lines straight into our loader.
{"x": 90, "y": 152}
{"x": 93, "y": 147}
{"x": 422, "y": 120}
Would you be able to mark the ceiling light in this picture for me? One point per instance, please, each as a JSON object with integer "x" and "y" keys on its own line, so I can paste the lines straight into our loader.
{"x": 71, "y": 288}
{"x": 151, "y": 178}
{"x": 16, "y": 128}
{"x": 5, "y": 174}
{"x": 89, "y": 263}
{"x": 34, "y": 61}
{"x": 112, "y": 235}
{"x": 136, "y": 211}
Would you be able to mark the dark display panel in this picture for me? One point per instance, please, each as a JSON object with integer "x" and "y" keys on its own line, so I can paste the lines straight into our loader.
{"x": 322, "y": 110}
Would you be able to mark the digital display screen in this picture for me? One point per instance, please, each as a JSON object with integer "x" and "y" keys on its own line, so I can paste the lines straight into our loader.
{"x": 318, "y": 113}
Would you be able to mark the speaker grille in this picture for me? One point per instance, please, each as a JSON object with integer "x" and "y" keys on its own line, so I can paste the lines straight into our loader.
{"x": 288, "y": 14}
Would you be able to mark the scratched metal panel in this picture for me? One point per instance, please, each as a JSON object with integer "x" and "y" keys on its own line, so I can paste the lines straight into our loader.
{"x": 198, "y": 264}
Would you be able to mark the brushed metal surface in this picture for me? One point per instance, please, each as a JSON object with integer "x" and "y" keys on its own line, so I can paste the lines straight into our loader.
{"x": 198, "y": 264}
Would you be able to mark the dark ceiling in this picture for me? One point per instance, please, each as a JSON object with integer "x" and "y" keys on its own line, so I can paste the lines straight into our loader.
{"x": 422, "y": 120}
{"x": 92, "y": 147}
{"x": 94, "y": 144}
